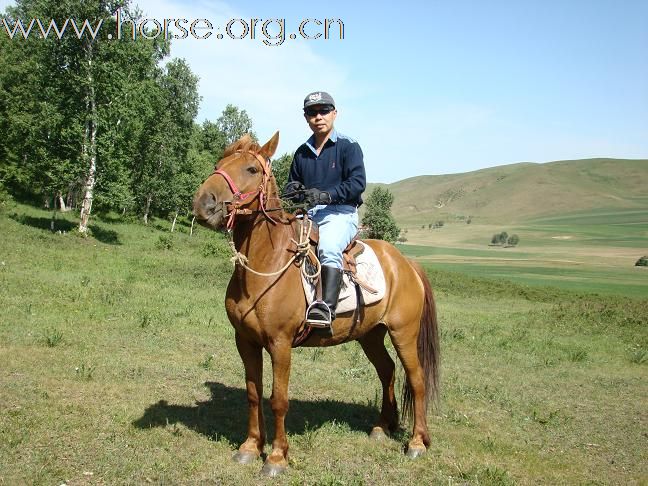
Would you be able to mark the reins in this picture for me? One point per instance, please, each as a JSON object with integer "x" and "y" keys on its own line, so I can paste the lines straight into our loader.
{"x": 235, "y": 207}
{"x": 303, "y": 247}
{"x": 302, "y": 251}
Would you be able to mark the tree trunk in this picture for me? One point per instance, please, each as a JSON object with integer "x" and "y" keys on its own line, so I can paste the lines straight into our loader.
{"x": 89, "y": 148}
{"x": 61, "y": 202}
{"x": 149, "y": 198}
{"x": 69, "y": 199}
{"x": 175, "y": 218}
{"x": 147, "y": 208}
{"x": 192, "y": 223}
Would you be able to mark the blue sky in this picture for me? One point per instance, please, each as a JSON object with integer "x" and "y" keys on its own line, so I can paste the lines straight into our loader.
{"x": 437, "y": 87}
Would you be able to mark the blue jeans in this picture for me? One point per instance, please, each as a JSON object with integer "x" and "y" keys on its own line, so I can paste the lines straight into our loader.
{"x": 338, "y": 224}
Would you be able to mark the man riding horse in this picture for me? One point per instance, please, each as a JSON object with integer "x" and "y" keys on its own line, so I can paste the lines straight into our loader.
{"x": 328, "y": 173}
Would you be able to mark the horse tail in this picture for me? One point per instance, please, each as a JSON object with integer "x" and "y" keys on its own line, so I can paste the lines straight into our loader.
{"x": 428, "y": 349}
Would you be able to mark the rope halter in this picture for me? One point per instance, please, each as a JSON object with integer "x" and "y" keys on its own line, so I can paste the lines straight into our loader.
{"x": 236, "y": 206}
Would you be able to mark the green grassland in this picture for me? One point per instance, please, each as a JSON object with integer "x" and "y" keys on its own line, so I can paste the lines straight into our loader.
{"x": 592, "y": 250}
{"x": 118, "y": 366}
{"x": 519, "y": 192}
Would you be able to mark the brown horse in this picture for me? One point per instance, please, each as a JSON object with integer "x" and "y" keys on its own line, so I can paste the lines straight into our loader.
{"x": 242, "y": 195}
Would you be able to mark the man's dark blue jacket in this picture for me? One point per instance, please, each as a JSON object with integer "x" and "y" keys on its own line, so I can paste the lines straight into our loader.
{"x": 339, "y": 168}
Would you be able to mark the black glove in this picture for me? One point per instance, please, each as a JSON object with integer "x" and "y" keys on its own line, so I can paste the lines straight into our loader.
{"x": 294, "y": 191}
{"x": 314, "y": 197}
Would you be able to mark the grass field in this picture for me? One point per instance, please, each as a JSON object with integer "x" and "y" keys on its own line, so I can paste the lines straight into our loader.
{"x": 593, "y": 251}
{"x": 518, "y": 192}
{"x": 118, "y": 366}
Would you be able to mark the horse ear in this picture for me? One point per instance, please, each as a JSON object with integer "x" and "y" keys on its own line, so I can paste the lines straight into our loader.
{"x": 245, "y": 140}
{"x": 270, "y": 147}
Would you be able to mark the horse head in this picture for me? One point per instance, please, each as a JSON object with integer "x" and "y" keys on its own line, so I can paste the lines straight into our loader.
{"x": 240, "y": 184}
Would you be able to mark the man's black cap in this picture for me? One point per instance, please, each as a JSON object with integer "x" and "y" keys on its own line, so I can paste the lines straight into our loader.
{"x": 318, "y": 98}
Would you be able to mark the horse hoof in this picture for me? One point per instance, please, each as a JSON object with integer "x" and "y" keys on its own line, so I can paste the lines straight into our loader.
{"x": 245, "y": 457}
{"x": 271, "y": 470}
{"x": 377, "y": 434}
{"x": 414, "y": 452}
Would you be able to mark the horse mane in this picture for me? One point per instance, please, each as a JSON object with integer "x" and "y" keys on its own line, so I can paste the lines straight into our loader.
{"x": 245, "y": 143}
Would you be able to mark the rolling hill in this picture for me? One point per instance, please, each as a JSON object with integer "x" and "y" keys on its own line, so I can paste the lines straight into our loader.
{"x": 521, "y": 192}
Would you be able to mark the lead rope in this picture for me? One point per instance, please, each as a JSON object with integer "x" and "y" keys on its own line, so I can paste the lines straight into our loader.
{"x": 303, "y": 249}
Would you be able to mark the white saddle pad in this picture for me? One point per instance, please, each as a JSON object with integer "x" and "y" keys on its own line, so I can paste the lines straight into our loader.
{"x": 368, "y": 270}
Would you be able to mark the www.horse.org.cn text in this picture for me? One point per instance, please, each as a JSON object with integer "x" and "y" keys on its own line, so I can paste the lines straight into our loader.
{"x": 271, "y": 32}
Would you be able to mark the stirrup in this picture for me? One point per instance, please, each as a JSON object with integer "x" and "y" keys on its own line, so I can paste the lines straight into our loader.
{"x": 320, "y": 323}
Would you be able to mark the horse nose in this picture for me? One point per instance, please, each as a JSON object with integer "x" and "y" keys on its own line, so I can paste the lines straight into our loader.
{"x": 204, "y": 205}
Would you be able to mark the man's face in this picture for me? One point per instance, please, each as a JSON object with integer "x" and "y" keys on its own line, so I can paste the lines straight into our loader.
{"x": 320, "y": 118}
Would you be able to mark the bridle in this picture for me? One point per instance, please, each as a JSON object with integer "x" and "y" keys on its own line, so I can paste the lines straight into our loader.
{"x": 236, "y": 206}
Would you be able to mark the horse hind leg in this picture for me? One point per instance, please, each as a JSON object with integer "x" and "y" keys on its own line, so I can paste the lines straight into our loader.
{"x": 414, "y": 392}
{"x": 373, "y": 345}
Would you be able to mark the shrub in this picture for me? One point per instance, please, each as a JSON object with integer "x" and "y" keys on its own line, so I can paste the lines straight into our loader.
{"x": 5, "y": 198}
{"x": 164, "y": 242}
{"x": 216, "y": 248}
{"x": 642, "y": 262}
{"x": 503, "y": 238}
{"x": 52, "y": 337}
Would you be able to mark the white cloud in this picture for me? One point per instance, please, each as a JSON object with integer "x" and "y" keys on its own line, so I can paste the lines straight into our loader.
{"x": 268, "y": 82}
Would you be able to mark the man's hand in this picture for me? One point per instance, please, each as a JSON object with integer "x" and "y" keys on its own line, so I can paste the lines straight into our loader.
{"x": 314, "y": 197}
{"x": 294, "y": 191}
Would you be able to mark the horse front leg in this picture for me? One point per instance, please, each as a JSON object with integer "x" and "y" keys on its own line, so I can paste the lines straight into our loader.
{"x": 252, "y": 357}
{"x": 280, "y": 352}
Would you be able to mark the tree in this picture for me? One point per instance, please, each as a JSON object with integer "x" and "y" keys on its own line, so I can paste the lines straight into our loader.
{"x": 212, "y": 141}
{"x": 165, "y": 176}
{"x": 78, "y": 129}
{"x": 503, "y": 238}
{"x": 378, "y": 219}
{"x": 281, "y": 168}
{"x": 234, "y": 123}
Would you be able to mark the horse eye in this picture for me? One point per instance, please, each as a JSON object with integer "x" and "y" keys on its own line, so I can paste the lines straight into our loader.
{"x": 253, "y": 170}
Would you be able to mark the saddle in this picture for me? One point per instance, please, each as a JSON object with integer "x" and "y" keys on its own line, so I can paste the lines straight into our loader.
{"x": 363, "y": 281}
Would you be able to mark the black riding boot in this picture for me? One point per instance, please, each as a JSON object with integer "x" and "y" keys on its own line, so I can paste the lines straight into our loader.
{"x": 318, "y": 315}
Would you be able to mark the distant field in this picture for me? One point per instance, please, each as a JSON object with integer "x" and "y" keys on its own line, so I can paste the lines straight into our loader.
{"x": 591, "y": 251}
{"x": 630, "y": 283}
